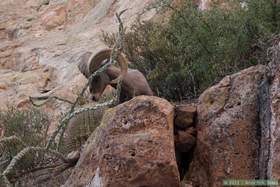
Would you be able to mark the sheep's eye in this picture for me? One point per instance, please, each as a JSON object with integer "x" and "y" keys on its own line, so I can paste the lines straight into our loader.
{"x": 94, "y": 85}
{"x": 90, "y": 88}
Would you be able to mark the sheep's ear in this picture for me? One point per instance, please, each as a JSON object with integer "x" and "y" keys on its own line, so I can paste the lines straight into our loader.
{"x": 116, "y": 80}
{"x": 83, "y": 64}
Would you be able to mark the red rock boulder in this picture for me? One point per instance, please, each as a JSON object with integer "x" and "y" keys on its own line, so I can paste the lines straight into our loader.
{"x": 133, "y": 146}
{"x": 228, "y": 130}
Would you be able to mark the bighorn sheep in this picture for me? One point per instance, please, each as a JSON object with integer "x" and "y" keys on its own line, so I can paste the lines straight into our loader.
{"x": 133, "y": 81}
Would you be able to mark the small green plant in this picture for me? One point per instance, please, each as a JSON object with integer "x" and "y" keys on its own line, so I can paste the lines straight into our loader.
{"x": 29, "y": 125}
{"x": 19, "y": 129}
{"x": 195, "y": 49}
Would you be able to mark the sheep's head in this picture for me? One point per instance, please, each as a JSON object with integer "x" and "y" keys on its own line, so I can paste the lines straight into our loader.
{"x": 99, "y": 83}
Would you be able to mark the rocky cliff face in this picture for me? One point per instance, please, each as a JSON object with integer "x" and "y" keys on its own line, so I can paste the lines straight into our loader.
{"x": 42, "y": 42}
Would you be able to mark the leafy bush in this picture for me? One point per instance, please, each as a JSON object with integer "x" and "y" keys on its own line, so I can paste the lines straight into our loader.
{"x": 21, "y": 128}
{"x": 29, "y": 125}
{"x": 197, "y": 48}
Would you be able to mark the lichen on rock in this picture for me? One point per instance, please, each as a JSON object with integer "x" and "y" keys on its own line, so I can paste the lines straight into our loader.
{"x": 134, "y": 146}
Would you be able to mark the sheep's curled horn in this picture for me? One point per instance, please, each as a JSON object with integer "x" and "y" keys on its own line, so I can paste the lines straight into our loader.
{"x": 95, "y": 62}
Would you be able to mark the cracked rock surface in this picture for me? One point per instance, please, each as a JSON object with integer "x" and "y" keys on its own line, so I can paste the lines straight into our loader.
{"x": 133, "y": 146}
{"x": 228, "y": 130}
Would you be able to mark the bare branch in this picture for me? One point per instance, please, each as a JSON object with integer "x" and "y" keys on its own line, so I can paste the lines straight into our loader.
{"x": 47, "y": 98}
{"x": 116, "y": 50}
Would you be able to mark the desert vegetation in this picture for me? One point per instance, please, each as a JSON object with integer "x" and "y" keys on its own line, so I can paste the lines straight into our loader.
{"x": 194, "y": 49}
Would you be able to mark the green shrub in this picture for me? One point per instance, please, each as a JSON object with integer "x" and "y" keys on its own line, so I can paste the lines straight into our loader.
{"x": 29, "y": 125}
{"x": 21, "y": 128}
{"x": 195, "y": 49}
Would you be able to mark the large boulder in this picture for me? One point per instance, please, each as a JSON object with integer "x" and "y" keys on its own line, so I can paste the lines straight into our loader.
{"x": 133, "y": 146}
{"x": 228, "y": 130}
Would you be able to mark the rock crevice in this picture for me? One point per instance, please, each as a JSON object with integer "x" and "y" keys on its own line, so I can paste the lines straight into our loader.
{"x": 265, "y": 116}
